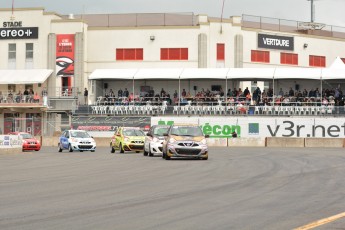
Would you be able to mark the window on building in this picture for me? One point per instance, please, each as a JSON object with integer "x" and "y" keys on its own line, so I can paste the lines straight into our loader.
{"x": 29, "y": 55}
{"x": 289, "y": 58}
{"x": 132, "y": 54}
{"x": 317, "y": 61}
{"x": 12, "y": 55}
{"x": 174, "y": 53}
{"x": 220, "y": 52}
{"x": 260, "y": 56}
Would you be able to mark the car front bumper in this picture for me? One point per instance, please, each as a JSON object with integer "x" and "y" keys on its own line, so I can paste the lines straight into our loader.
{"x": 83, "y": 147}
{"x": 175, "y": 150}
{"x": 156, "y": 147}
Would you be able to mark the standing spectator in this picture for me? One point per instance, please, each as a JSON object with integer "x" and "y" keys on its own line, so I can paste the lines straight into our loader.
{"x": 291, "y": 92}
{"x": 125, "y": 93}
{"x": 245, "y": 92}
{"x": 119, "y": 93}
{"x": 44, "y": 92}
{"x": 162, "y": 93}
{"x": 281, "y": 92}
{"x": 184, "y": 93}
{"x": 86, "y": 94}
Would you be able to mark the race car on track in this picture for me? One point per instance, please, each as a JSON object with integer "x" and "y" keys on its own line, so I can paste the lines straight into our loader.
{"x": 76, "y": 140}
{"x": 186, "y": 141}
{"x": 29, "y": 142}
{"x": 154, "y": 140}
{"x": 127, "y": 139}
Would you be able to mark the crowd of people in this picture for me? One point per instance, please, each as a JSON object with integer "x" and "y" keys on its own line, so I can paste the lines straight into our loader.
{"x": 27, "y": 96}
{"x": 332, "y": 96}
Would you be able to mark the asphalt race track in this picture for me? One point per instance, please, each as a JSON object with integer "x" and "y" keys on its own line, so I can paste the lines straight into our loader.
{"x": 237, "y": 188}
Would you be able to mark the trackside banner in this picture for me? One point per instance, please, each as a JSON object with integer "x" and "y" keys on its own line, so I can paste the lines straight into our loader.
{"x": 222, "y": 127}
{"x": 10, "y": 141}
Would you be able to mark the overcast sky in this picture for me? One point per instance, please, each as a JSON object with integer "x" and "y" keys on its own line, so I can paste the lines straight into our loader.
{"x": 331, "y": 12}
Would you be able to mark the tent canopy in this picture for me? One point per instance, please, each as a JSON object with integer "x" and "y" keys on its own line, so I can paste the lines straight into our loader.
{"x": 220, "y": 73}
{"x": 25, "y": 76}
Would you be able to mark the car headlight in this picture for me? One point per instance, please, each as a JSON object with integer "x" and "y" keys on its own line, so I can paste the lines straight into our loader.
{"x": 73, "y": 140}
{"x": 126, "y": 139}
{"x": 155, "y": 139}
{"x": 24, "y": 142}
{"x": 172, "y": 140}
{"x": 203, "y": 141}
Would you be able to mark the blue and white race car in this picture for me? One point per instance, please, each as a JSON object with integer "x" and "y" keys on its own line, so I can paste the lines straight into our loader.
{"x": 76, "y": 140}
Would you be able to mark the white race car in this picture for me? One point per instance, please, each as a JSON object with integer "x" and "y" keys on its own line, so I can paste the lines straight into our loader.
{"x": 154, "y": 140}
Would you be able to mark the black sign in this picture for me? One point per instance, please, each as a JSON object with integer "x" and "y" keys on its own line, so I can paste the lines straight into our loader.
{"x": 95, "y": 123}
{"x": 275, "y": 42}
{"x": 19, "y": 33}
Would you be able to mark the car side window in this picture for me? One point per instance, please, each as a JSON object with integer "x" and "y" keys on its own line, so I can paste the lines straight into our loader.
{"x": 67, "y": 134}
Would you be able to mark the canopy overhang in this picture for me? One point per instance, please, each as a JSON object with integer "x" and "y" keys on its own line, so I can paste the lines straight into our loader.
{"x": 219, "y": 73}
{"x": 25, "y": 76}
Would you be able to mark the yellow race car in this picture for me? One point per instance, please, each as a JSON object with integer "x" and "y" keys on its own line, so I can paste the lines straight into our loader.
{"x": 127, "y": 139}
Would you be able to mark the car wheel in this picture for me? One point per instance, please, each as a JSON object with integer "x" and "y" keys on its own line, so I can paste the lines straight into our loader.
{"x": 59, "y": 148}
{"x": 205, "y": 158}
{"x": 150, "y": 153}
{"x": 81, "y": 151}
{"x": 167, "y": 158}
{"x": 145, "y": 152}
{"x": 121, "y": 149}
{"x": 92, "y": 151}
{"x": 70, "y": 148}
{"x": 112, "y": 150}
{"x": 137, "y": 151}
{"x": 163, "y": 155}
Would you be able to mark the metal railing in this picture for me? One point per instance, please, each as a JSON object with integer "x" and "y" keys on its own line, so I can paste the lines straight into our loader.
{"x": 275, "y": 24}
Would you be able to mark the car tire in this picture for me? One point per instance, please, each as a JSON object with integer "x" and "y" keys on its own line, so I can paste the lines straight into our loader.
{"x": 92, "y": 151}
{"x": 112, "y": 150}
{"x": 205, "y": 158}
{"x": 81, "y": 151}
{"x": 121, "y": 149}
{"x": 59, "y": 148}
{"x": 70, "y": 148}
{"x": 137, "y": 151}
{"x": 150, "y": 153}
{"x": 145, "y": 152}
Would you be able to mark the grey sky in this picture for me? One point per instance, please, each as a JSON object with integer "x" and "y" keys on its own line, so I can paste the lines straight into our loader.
{"x": 330, "y": 12}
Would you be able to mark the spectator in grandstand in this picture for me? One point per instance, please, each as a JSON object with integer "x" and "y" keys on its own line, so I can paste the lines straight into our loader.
{"x": 44, "y": 92}
{"x": 119, "y": 92}
{"x": 221, "y": 92}
{"x": 291, "y": 92}
{"x": 36, "y": 98}
{"x": 1, "y": 97}
{"x": 229, "y": 93}
{"x": 125, "y": 93}
{"x": 281, "y": 92}
{"x": 184, "y": 93}
{"x": 245, "y": 92}
{"x": 311, "y": 93}
{"x": 86, "y": 94}
{"x": 163, "y": 93}
{"x": 305, "y": 93}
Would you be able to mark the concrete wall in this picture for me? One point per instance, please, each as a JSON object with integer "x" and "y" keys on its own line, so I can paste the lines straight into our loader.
{"x": 281, "y": 142}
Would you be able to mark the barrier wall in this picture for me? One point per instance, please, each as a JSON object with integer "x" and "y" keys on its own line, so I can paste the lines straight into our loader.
{"x": 284, "y": 142}
{"x": 247, "y": 142}
{"x": 10, "y": 144}
{"x": 240, "y": 142}
{"x": 324, "y": 142}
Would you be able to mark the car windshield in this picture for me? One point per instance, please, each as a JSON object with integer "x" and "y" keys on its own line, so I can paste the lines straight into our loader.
{"x": 133, "y": 132}
{"x": 80, "y": 134}
{"x": 193, "y": 131}
{"x": 159, "y": 131}
{"x": 26, "y": 136}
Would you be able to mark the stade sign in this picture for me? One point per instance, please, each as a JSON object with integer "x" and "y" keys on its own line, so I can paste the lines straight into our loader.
{"x": 222, "y": 127}
{"x": 14, "y": 30}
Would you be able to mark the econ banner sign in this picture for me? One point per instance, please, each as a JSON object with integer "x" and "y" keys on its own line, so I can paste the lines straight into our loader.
{"x": 65, "y": 55}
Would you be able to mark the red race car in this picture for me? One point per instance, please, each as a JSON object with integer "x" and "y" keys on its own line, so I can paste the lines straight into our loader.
{"x": 29, "y": 142}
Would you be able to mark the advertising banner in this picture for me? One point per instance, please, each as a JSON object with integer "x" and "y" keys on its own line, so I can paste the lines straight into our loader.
{"x": 65, "y": 55}
{"x": 102, "y": 124}
{"x": 19, "y": 33}
{"x": 275, "y": 42}
{"x": 222, "y": 127}
{"x": 10, "y": 141}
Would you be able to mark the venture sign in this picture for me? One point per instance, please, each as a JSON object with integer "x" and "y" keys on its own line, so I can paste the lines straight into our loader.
{"x": 275, "y": 42}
